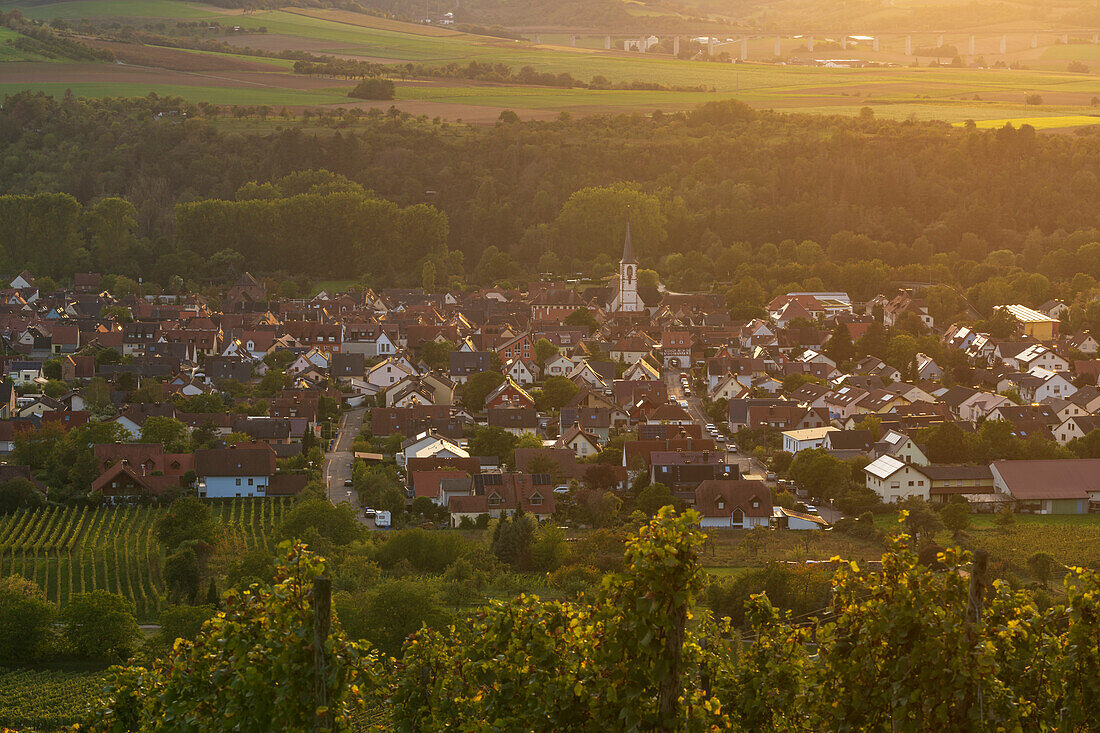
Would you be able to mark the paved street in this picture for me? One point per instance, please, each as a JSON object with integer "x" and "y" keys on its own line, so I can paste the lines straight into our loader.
{"x": 676, "y": 392}
{"x": 338, "y": 461}
{"x": 748, "y": 464}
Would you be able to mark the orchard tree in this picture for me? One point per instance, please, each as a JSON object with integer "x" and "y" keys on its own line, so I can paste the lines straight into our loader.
{"x": 187, "y": 519}
{"x": 100, "y": 625}
{"x": 839, "y": 347}
{"x": 652, "y": 498}
{"x": 956, "y": 516}
{"x": 556, "y": 393}
{"x": 478, "y": 387}
{"x": 26, "y": 621}
{"x": 168, "y": 431}
{"x": 821, "y": 475}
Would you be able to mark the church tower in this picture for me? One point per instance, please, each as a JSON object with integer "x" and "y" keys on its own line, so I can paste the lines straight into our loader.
{"x": 628, "y": 278}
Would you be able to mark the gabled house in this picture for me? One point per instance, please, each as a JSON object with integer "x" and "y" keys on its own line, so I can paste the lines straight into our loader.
{"x": 1073, "y": 428}
{"x": 1037, "y": 385}
{"x": 901, "y": 447}
{"x": 1038, "y": 355}
{"x": 582, "y": 442}
{"x": 241, "y": 470}
{"x": 894, "y": 480}
{"x": 559, "y": 366}
{"x": 523, "y": 372}
{"x": 515, "y": 420}
{"x": 502, "y": 494}
{"x": 509, "y": 394}
{"x": 733, "y": 504}
{"x": 465, "y": 364}
{"x": 429, "y": 445}
{"x": 1050, "y": 487}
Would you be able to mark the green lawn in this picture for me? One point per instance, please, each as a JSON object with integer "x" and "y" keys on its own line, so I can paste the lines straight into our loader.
{"x": 333, "y": 286}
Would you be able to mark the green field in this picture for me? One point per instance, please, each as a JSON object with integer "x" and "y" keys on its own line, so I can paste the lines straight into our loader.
{"x": 953, "y": 95}
{"x": 66, "y": 550}
{"x": 1043, "y": 123}
{"x": 212, "y": 94}
{"x": 1071, "y": 539}
{"x": 112, "y": 8}
{"x": 42, "y": 700}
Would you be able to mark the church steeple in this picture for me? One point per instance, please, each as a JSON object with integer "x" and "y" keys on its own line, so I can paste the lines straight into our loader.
{"x": 628, "y": 248}
{"x": 628, "y": 299}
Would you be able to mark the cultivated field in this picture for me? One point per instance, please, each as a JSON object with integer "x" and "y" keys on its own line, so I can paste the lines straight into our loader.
{"x": 44, "y": 700}
{"x": 900, "y": 91}
{"x": 69, "y": 550}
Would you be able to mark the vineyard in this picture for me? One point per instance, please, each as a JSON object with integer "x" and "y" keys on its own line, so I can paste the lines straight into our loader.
{"x": 46, "y": 700}
{"x": 70, "y": 550}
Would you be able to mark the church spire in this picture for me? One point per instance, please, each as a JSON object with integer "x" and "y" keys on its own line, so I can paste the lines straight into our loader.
{"x": 628, "y": 247}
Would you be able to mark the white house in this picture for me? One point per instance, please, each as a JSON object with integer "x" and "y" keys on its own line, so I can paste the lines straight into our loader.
{"x": 733, "y": 504}
{"x": 894, "y": 480}
{"x": 1038, "y": 355}
{"x": 796, "y": 440}
{"x": 23, "y": 373}
{"x": 389, "y": 372}
{"x": 559, "y": 366}
{"x": 429, "y": 445}
{"x": 901, "y": 447}
{"x": 521, "y": 371}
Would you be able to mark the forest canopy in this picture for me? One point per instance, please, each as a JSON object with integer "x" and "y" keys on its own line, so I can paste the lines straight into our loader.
{"x": 722, "y": 197}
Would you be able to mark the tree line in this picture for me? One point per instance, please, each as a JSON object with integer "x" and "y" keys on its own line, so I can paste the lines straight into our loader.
{"x": 720, "y": 197}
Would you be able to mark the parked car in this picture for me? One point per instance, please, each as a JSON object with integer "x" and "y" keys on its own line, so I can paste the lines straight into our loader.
{"x": 347, "y": 482}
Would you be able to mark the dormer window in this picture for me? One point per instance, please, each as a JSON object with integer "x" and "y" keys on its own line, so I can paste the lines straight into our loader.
{"x": 721, "y": 504}
{"x": 494, "y": 499}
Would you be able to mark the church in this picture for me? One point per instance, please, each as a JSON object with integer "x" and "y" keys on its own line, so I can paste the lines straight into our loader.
{"x": 626, "y": 298}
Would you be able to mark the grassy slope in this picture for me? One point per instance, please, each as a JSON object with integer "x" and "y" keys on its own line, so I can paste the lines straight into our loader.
{"x": 8, "y": 53}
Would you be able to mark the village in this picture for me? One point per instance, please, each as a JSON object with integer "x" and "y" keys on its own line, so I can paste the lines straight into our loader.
{"x": 606, "y": 390}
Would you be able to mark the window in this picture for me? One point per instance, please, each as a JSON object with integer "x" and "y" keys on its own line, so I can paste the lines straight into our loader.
{"x": 249, "y": 482}
{"x": 238, "y": 484}
{"x": 721, "y": 504}
{"x": 536, "y": 500}
{"x": 910, "y": 483}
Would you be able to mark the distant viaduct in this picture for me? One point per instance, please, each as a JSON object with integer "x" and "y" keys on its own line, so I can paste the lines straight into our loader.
{"x": 737, "y": 44}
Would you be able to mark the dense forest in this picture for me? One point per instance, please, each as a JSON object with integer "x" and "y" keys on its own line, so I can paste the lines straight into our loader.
{"x": 720, "y": 197}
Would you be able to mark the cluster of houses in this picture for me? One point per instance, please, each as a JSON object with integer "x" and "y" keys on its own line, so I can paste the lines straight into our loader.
{"x": 625, "y": 346}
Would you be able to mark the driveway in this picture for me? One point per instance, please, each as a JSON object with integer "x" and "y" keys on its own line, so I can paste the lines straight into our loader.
{"x": 338, "y": 461}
